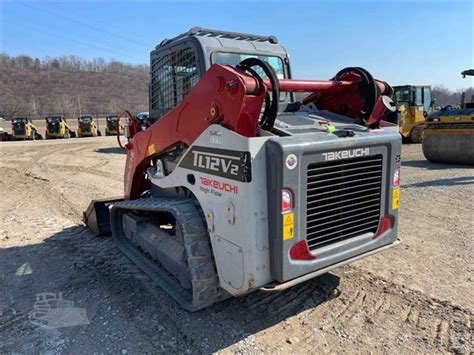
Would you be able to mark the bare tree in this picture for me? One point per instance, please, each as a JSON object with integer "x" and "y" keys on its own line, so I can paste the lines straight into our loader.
{"x": 70, "y": 83}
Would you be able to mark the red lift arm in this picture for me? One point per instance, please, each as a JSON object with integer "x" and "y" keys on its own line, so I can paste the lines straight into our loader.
{"x": 234, "y": 99}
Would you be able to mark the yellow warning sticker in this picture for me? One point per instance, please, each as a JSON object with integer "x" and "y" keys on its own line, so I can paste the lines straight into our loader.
{"x": 151, "y": 149}
{"x": 288, "y": 226}
{"x": 395, "y": 198}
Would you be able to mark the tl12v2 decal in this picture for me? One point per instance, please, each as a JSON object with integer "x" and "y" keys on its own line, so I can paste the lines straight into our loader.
{"x": 230, "y": 164}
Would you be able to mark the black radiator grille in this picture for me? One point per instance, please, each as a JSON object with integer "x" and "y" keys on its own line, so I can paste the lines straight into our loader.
{"x": 343, "y": 199}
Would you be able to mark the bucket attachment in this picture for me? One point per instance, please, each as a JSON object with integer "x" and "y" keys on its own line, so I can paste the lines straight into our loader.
{"x": 97, "y": 216}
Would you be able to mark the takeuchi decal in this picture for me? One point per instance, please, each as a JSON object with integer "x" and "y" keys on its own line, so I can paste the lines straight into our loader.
{"x": 223, "y": 186}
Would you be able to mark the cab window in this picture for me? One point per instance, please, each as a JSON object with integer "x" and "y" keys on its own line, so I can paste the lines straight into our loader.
{"x": 419, "y": 96}
{"x": 225, "y": 58}
{"x": 427, "y": 98}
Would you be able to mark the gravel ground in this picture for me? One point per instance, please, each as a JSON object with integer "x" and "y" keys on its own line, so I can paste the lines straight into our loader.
{"x": 416, "y": 297}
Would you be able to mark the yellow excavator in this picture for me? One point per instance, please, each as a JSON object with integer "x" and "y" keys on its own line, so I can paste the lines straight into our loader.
{"x": 415, "y": 103}
{"x": 448, "y": 136}
{"x": 24, "y": 129}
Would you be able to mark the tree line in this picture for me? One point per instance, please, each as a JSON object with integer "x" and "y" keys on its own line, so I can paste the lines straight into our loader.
{"x": 443, "y": 96}
{"x": 74, "y": 84}
{"x": 70, "y": 84}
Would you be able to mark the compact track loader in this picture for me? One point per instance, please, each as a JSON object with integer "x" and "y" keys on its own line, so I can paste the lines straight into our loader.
{"x": 24, "y": 129}
{"x": 57, "y": 127}
{"x": 111, "y": 123}
{"x": 86, "y": 127}
{"x": 232, "y": 186}
{"x": 449, "y": 133}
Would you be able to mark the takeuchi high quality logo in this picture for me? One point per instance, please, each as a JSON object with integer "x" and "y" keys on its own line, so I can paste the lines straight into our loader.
{"x": 230, "y": 164}
{"x": 344, "y": 154}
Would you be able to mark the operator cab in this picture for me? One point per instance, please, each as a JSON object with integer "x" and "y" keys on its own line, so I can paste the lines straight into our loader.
{"x": 177, "y": 64}
{"x": 53, "y": 119}
{"x": 85, "y": 119}
{"x": 19, "y": 125}
{"x": 419, "y": 96}
{"x": 20, "y": 120}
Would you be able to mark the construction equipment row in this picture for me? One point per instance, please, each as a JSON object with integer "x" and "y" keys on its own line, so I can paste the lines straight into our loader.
{"x": 57, "y": 126}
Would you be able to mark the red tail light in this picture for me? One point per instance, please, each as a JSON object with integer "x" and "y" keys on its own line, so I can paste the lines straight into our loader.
{"x": 286, "y": 201}
{"x": 300, "y": 251}
{"x": 384, "y": 225}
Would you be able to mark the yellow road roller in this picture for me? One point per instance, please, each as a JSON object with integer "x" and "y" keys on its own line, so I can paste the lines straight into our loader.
{"x": 448, "y": 136}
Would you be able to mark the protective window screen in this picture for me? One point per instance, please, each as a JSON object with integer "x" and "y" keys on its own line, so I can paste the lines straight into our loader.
{"x": 235, "y": 58}
{"x": 173, "y": 76}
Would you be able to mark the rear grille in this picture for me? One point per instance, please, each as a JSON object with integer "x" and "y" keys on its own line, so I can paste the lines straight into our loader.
{"x": 343, "y": 199}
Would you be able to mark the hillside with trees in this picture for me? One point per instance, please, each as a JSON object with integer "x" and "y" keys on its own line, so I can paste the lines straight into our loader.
{"x": 70, "y": 84}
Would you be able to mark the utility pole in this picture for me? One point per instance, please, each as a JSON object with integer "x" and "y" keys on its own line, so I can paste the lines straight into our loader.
{"x": 79, "y": 104}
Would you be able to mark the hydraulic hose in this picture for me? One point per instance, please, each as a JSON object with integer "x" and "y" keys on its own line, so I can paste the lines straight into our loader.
{"x": 368, "y": 89}
{"x": 270, "y": 111}
{"x": 117, "y": 125}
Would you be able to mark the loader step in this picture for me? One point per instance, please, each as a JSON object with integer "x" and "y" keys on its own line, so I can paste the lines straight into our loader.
{"x": 176, "y": 256}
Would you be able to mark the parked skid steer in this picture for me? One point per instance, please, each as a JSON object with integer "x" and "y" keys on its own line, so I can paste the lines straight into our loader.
{"x": 57, "y": 127}
{"x": 233, "y": 186}
{"x": 24, "y": 129}
{"x": 86, "y": 127}
{"x": 113, "y": 124}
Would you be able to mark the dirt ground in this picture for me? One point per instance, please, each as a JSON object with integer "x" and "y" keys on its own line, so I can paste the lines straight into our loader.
{"x": 417, "y": 297}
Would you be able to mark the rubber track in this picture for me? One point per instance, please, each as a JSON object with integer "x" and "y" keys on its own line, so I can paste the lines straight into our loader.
{"x": 190, "y": 224}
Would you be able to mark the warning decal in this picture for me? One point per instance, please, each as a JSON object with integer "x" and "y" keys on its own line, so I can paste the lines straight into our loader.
{"x": 288, "y": 226}
{"x": 395, "y": 198}
{"x": 151, "y": 149}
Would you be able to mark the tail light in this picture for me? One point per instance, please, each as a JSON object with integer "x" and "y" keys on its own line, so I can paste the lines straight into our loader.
{"x": 300, "y": 251}
{"x": 286, "y": 201}
{"x": 396, "y": 178}
{"x": 384, "y": 225}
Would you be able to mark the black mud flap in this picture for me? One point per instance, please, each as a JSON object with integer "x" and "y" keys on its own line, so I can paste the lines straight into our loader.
{"x": 97, "y": 215}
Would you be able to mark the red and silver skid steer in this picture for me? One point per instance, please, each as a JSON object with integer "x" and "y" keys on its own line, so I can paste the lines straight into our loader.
{"x": 232, "y": 185}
